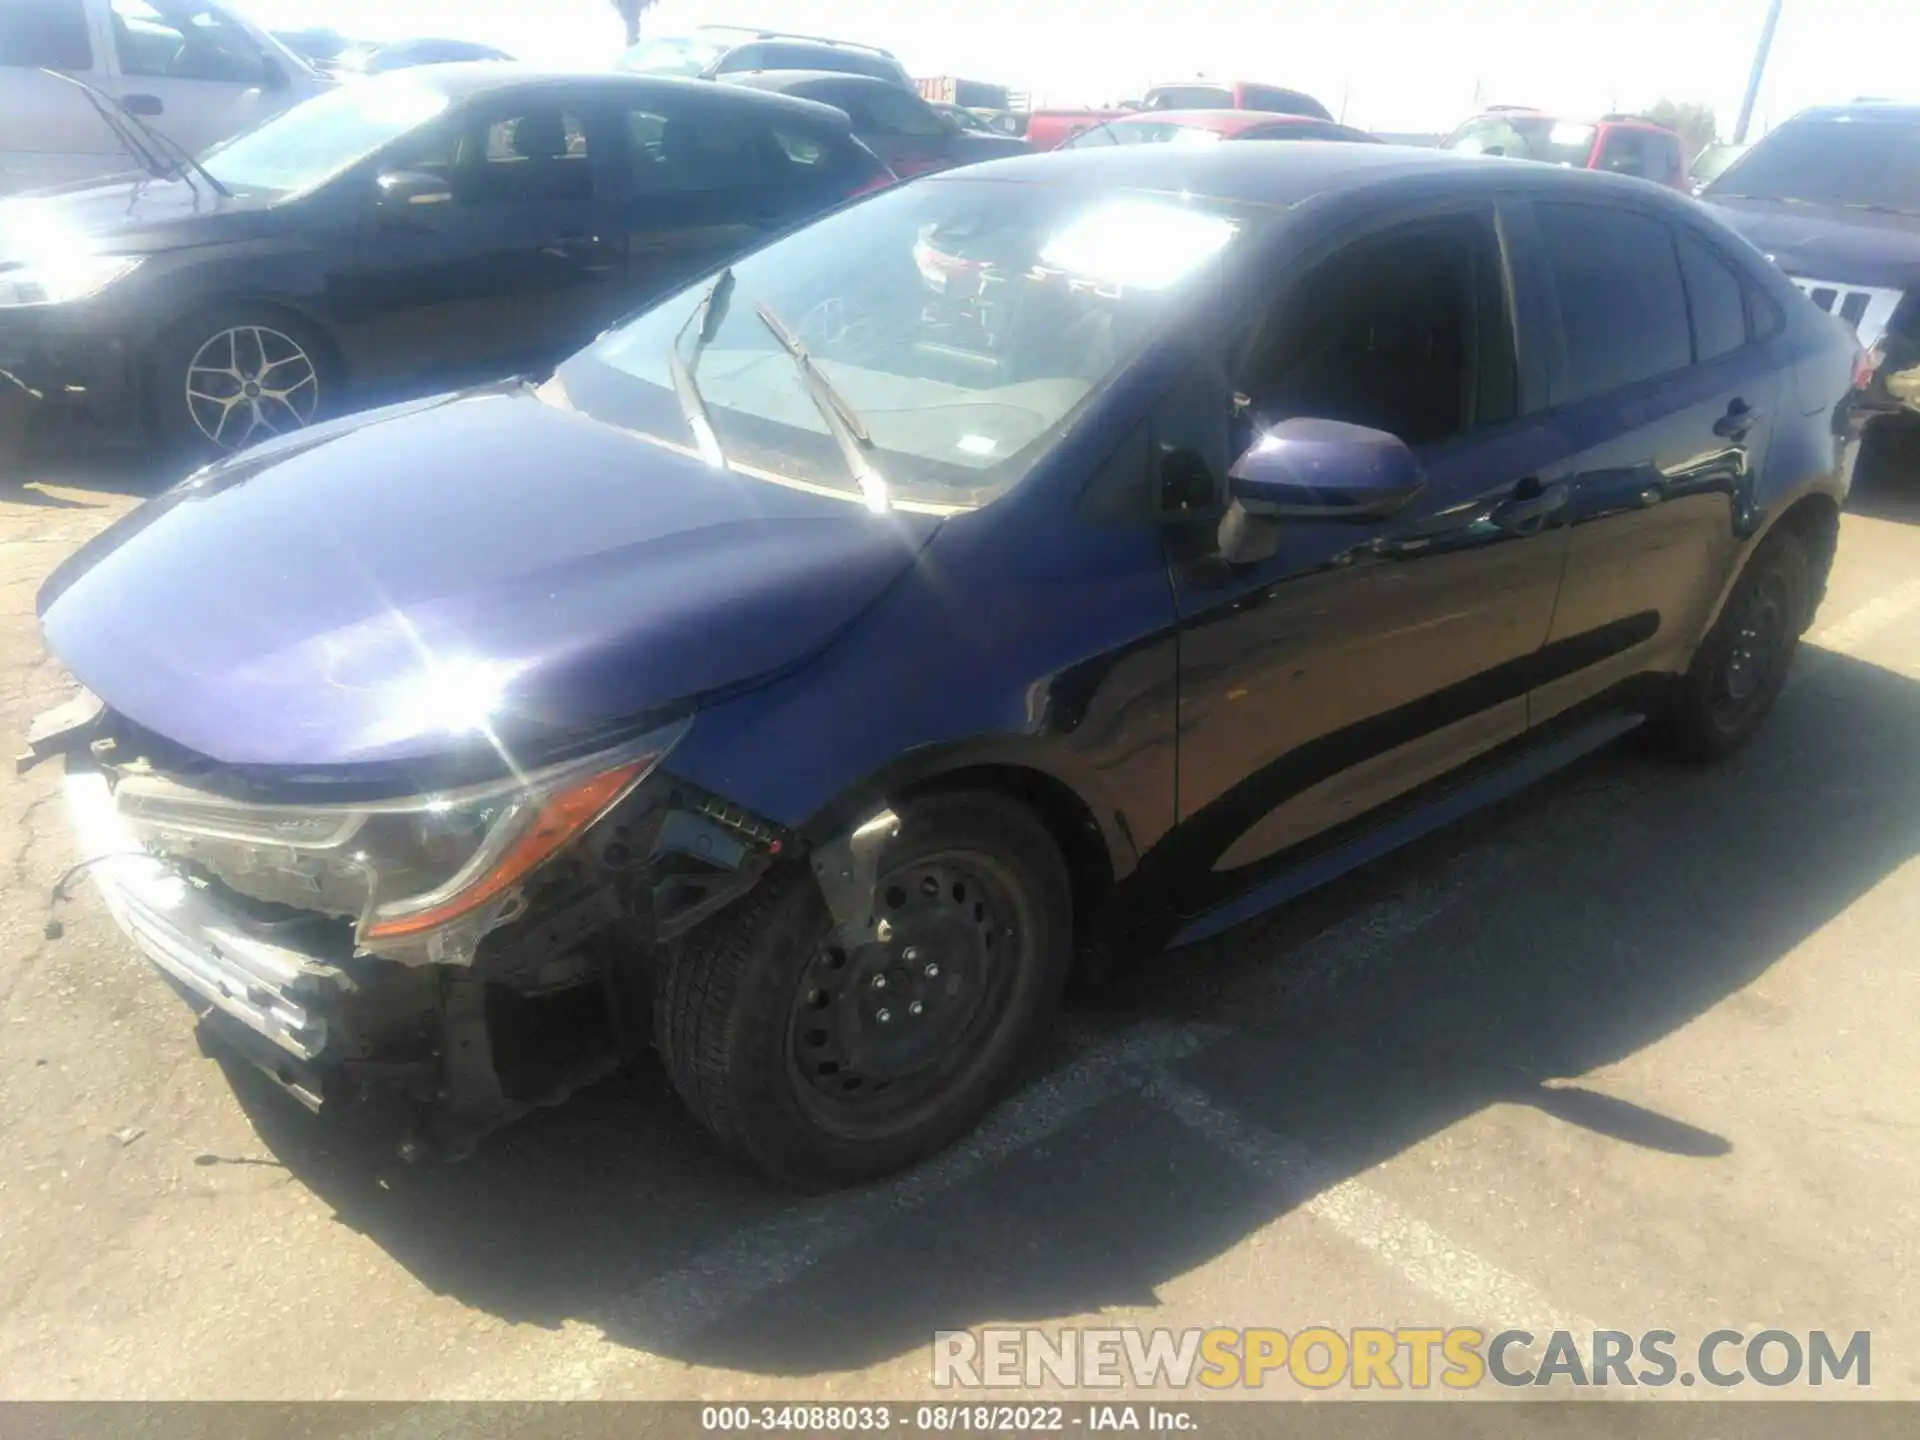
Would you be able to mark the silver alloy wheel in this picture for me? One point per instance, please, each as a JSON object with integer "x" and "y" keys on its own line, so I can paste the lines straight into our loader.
{"x": 251, "y": 379}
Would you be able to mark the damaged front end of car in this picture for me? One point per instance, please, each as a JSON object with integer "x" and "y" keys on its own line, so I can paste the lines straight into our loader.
{"x": 463, "y": 954}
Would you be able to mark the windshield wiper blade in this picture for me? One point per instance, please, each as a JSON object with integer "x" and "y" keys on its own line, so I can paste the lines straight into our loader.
{"x": 115, "y": 119}
{"x": 708, "y": 316}
{"x": 848, "y": 430}
{"x": 184, "y": 157}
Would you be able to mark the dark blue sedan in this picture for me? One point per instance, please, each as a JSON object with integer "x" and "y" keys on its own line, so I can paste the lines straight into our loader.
{"x": 1014, "y": 570}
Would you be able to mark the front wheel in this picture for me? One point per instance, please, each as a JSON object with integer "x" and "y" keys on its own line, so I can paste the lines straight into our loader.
{"x": 231, "y": 378}
{"x": 828, "y": 1059}
{"x": 1739, "y": 670}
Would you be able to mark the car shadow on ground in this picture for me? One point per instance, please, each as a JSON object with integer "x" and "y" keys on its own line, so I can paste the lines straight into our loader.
{"x": 1886, "y": 477}
{"x": 38, "y": 480}
{"x": 1614, "y": 904}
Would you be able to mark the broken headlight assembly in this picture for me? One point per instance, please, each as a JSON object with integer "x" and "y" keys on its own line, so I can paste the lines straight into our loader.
{"x": 423, "y": 878}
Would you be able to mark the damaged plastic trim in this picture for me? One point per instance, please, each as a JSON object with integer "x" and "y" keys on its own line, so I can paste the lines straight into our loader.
{"x": 848, "y": 867}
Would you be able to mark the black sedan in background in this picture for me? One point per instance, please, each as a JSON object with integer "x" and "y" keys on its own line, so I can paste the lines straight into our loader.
{"x": 897, "y": 125}
{"x": 410, "y": 231}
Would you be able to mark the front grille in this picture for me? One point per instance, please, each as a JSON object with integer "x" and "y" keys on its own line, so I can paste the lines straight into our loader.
{"x": 1866, "y": 310}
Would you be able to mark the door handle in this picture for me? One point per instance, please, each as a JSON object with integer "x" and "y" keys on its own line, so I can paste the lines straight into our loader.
{"x": 1525, "y": 509}
{"x": 1739, "y": 419}
{"x": 142, "y": 104}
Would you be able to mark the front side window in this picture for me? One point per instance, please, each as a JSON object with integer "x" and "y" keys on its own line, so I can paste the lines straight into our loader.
{"x": 308, "y": 145}
{"x": 1872, "y": 164}
{"x": 1623, "y": 307}
{"x": 179, "y": 40}
{"x": 1526, "y": 137}
{"x": 965, "y": 324}
{"x": 1404, "y": 332}
{"x": 45, "y": 34}
{"x": 537, "y": 154}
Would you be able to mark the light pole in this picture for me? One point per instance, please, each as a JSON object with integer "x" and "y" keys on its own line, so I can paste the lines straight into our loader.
{"x": 1759, "y": 69}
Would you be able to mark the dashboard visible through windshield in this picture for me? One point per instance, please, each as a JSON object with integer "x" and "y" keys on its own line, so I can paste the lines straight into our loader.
{"x": 958, "y": 326}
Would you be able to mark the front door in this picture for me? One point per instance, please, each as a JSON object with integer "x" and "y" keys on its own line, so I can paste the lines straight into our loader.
{"x": 189, "y": 71}
{"x": 1664, "y": 394}
{"x": 1360, "y": 661}
{"x": 515, "y": 262}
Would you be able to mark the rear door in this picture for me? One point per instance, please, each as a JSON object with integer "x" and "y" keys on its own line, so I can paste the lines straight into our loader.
{"x": 49, "y": 132}
{"x": 706, "y": 176}
{"x": 1665, "y": 396}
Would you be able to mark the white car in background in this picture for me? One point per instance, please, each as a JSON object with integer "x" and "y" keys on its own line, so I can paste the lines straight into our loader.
{"x": 195, "y": 70}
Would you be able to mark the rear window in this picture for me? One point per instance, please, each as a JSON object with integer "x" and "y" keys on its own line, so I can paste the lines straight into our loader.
{"x": 1871, "y": 163}
{"x": 1190, "y": 97}
{"x": 45, "y": 34}
{"x": 775, "y": 55}
{"x": 1283, "y": 102}
{"x": 1144, "y": 132}
{"x": 1526, "y": 137}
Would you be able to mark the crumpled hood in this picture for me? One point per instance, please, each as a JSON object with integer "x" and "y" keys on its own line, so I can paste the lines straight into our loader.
{"x": 371, "y": 589}
{"x": 1857, "y": 247}
{"x": 126, "y": 215}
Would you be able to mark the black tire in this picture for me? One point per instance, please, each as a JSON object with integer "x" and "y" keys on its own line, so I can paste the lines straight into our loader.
{"x": 778, "y": 1047}
{"x": 289, "y": 362}
{"x": 1738, "y": 671}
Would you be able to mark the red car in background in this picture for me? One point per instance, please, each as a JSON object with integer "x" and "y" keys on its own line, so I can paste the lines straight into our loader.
{"x": 1188, "y": 127}
{"x": 1623, "y": 144}
{"x": 1234, "y": 95}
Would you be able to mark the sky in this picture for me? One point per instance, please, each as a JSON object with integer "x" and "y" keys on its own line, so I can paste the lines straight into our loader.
{"x": 1387, "y": 64}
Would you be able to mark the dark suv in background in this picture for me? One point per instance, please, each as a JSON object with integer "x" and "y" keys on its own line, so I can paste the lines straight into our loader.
{"x": 1833, "y": 198}
{"x": 712, "y": 51}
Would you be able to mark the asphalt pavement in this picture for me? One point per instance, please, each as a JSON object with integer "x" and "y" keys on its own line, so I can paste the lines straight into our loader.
{"x": 1634, "y": 1051}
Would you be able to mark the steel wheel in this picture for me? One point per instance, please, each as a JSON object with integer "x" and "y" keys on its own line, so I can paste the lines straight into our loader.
{"x": 1759, "y": 637}
{"x": 251, "y": 382}
{"x": 877, "y": 1029}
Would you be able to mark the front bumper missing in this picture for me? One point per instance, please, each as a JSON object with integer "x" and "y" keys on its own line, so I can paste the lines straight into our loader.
{"x": 277, "y": 992}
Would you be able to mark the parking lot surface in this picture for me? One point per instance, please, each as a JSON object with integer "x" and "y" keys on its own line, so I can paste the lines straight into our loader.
{"x": 1633, "y": 1051}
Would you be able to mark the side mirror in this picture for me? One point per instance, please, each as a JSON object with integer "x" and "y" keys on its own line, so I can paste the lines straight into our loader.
{"x": 1325, "y": 471}
{"x": 413, "y": 187}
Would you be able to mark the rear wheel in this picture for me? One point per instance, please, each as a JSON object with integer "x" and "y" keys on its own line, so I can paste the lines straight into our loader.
{"x": 827, "y": 1058}
{"x": 1738, "y": 672}
{"x": 231, "y": 378}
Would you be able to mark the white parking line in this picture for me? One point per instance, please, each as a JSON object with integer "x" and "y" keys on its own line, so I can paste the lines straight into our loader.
{"x": 1861, "y": 625}
{"x": 1472, "y": 1285}
{"x": 672, "y": 1308}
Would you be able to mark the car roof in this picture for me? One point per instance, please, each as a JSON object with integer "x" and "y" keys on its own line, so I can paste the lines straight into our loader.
{"x": 781, "y": 80}
{"x": 1285, "y": 175}
{"x": 467, "y": 78}
{"x": 1227, "y": 122}
{"x": 1899, "y": 112}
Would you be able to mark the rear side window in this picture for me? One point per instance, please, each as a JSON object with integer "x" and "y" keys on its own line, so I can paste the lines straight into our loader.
{"x": 674, "y": 150}
{"x": 1623, "y": 308}
{"x": 49, "y": 34}
{"x": 805, "y": 156}
{"x": 1715, "y": 296}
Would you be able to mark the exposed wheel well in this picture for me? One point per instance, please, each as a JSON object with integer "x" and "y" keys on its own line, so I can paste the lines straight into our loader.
{"x": 1816, "y": 520}
{"x": 1065, "y": 815}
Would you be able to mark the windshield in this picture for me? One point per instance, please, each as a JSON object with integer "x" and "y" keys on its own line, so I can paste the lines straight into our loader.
{"x": 1869, "y": 163}
{"x": 965, "y": 324}
{"x": 1526, "y": 137}
{"x": 308, "y": 145}
{"x": 672, "y": 55}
